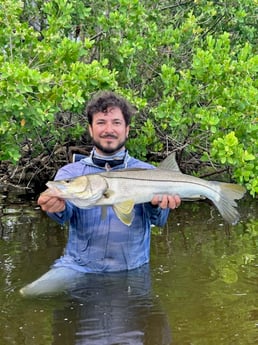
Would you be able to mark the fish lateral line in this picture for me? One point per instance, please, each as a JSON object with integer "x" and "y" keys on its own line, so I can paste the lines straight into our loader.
{"x": 204, "y": 183}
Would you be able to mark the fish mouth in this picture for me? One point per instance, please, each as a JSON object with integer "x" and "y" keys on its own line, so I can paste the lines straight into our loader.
{"x": 52, "y": 191}
{"x": 56, "y": 187}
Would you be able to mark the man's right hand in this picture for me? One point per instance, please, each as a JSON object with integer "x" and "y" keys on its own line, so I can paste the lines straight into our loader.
{"x": 51, "y": 203}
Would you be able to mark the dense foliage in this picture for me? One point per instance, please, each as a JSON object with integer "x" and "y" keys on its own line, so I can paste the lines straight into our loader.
{"x": 189, "y": 67}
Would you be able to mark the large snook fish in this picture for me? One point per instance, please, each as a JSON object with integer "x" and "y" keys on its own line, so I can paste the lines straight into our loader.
{"x": 122, "y": 189}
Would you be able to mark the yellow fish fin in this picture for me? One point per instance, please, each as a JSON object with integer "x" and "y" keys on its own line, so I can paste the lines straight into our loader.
{"x": 125, "y": 211}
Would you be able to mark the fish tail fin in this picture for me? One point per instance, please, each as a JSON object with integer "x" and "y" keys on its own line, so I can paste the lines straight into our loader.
{"x": 226, "y": 205}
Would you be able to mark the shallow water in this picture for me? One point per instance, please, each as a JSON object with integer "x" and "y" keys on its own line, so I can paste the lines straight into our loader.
{"x": 200, "y": 288}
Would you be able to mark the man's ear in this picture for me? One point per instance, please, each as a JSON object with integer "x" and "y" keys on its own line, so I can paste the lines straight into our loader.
{"x": 127, "y": 131}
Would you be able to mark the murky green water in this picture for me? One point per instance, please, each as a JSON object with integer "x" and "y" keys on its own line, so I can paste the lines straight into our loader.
{"x": 201, "y": 287}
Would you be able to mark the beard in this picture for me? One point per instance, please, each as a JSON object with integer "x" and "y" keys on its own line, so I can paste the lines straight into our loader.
{"x": 108, "y": 150}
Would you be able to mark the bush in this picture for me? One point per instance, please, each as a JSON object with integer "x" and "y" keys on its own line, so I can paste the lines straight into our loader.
{"x": 190, "y": 68}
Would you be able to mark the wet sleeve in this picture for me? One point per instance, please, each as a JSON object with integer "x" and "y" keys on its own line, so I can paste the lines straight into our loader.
{"x": 157, "y": 215}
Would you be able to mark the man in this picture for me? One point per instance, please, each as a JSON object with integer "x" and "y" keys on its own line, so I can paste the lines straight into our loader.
{"x": 96, "y": 244}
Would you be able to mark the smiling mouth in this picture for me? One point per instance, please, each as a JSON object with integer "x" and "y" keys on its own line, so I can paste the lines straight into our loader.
{"x": 109, "y": 137}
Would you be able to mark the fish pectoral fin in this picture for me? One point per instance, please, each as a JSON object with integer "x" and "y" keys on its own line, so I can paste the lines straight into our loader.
{"x": 125, "y": 211}
{"x": 108, "y": 193}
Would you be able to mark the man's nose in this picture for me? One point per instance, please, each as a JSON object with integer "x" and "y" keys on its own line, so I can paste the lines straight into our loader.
{"x": 109, "y": 127}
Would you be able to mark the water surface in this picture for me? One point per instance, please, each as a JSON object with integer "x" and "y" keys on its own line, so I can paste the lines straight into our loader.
{"x": 200, "y": 287}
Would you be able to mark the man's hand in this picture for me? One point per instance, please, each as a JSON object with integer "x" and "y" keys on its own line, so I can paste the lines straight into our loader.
{"x": 51, "y": 203}
{"x": 166, "y": 201}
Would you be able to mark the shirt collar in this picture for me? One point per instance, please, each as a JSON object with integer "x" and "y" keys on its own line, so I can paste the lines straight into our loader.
{"x": 116, "y": 161}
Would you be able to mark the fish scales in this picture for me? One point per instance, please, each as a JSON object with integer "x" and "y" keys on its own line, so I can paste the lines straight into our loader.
{"x": 146, "y": 185}
{"x": 122, "y": 189}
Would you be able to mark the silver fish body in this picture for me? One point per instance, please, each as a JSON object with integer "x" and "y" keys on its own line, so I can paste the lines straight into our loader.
{"x": 125, "y": 188}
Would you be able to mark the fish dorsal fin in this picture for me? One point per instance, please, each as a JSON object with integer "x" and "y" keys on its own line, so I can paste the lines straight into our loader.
{"x": 170, "y": 163}
{"x": 125, "y": 211}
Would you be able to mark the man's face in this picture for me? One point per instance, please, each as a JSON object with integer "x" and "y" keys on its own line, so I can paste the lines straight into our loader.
{"x": 109, "y": 131}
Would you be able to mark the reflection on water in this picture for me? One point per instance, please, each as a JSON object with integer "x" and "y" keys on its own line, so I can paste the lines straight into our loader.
{"x": 200, "y": 288}
{"x": 112, "y": 309}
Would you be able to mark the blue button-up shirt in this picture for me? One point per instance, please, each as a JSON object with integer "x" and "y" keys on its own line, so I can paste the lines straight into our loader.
{"x": 105, "y": 245}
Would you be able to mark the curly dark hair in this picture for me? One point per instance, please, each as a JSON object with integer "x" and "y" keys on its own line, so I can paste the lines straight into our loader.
{"x": 101, "y": 101}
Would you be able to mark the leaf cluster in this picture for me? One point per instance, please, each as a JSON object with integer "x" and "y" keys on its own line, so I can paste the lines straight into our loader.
{"x": 189, "y": 67}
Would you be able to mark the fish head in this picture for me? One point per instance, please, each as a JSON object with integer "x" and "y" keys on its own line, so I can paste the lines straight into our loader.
{"x": 87, "y": 188}
{"x": 69, "y": 187}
